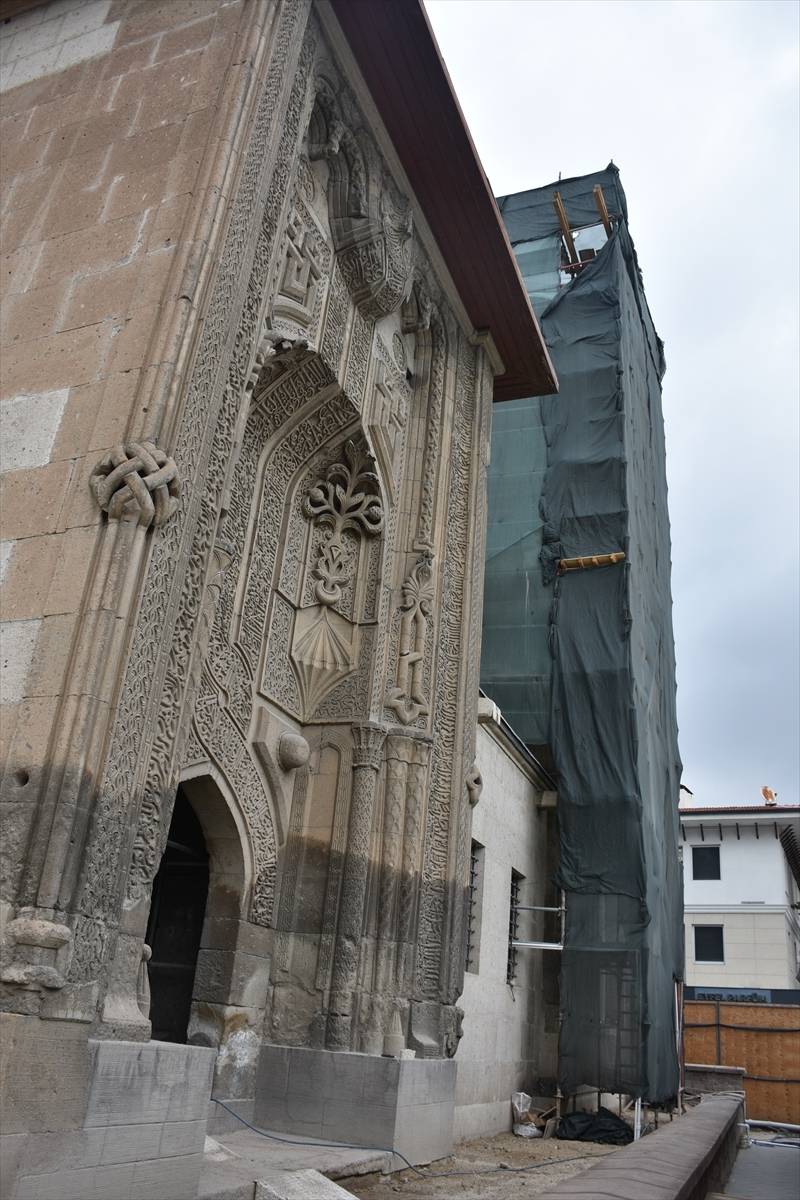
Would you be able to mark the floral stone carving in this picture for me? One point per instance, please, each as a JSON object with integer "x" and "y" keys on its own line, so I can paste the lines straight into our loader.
{"x": 325, "y": 644}
{"x": 137, "y": 480}
{"x": 347, "y": 498}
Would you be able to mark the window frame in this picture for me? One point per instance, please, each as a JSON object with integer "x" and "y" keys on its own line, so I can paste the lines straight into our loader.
{"x": 706, "y": 878}
{"x": 708, "y": 961}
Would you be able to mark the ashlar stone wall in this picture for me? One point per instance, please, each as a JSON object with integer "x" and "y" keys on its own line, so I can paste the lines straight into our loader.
{"x": 110, "y": 121}
{"x": 245, "y": 507}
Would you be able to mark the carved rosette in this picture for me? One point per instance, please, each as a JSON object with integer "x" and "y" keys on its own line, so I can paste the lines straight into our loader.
{"x": 137, "y": 480}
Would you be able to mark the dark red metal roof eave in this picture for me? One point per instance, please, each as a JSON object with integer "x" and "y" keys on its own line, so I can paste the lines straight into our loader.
{"x": 397, "y": 54}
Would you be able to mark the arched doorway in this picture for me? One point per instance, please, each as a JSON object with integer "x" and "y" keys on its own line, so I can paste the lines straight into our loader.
{"x": 175, "y": 927}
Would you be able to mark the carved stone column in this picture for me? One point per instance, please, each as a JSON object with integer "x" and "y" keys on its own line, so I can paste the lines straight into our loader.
{"x": 406, "y": 768}
{"x": 398, "y": 753}
{"x": 416, "y": 790}
{"x": 367, "y": 756}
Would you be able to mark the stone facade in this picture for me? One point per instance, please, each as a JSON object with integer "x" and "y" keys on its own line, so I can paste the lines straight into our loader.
{"x": 244, "y": 517}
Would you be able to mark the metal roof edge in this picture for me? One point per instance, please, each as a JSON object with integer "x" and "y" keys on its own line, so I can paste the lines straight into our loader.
{"x": 398, "y": 57}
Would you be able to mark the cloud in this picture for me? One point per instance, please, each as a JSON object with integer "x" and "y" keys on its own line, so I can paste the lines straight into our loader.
{"x": 698, "y": 105}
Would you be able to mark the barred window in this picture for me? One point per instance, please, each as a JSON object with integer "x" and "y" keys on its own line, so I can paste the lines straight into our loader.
{"x": 513, "y": 926}
{"x": 473, "y": 906}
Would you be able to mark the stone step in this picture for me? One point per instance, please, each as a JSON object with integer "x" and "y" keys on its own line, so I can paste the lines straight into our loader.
{"x": 300, "y": 1185}
{"x": 221, "y": 1182}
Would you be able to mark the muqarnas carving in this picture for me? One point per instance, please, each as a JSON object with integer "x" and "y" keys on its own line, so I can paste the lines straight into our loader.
{"x": 370, "y": 219}
{"x": 325, "y": 642}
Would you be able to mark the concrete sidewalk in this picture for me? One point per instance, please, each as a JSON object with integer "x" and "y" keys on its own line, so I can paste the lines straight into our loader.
{"x": 765, "y": 1173}
{"x": 233, "y": 1162}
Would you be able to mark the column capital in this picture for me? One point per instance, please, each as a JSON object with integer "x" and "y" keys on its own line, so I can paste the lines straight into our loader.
{"x": 368, "y": 742}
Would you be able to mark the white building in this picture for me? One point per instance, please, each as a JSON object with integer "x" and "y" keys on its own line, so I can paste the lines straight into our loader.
{"x": 510, "y": 998}
{"x": 741, "y": 871}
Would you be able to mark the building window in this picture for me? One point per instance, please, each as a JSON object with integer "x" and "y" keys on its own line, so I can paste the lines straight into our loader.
{"x": 513, "y": 926}
{"x": 708, "y": 944}
{"x": 705, "y": 862}
{"x": 474, "y": 892}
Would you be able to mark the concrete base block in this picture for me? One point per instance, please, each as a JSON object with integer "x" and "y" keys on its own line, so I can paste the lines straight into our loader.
{"x": 704, "y": 1078}
{"x": 299, "y": 1185}
{"x": 482, "y": 1120}
{"x": 138, "y": 1120}
{"x": 150, "y": 1081}
{"x": 405, "y": 1105}
{"x": 44, "y": 1074}
{"x": 221, "y": 1121}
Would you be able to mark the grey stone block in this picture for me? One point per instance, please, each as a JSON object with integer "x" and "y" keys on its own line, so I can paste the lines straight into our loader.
{"x": 224, "y": 976}
{"x": 72, "y": 1149}
{"x": 44, "y": 1073}
{"x": 322, "y": 1072}
{"x": 111, "y": 1182}
{"x": 272, "y": 1076}
{"x": 226, "y": 933}
{"x": 221, "y": 1181}
{"x": 298, "y": 1185}
{"x": 141, "y": 1083}
{"x": 381, "y": 1079}
{"x": 290, "y": 1114}
{"x": 424, "y": 1132}
{"x": 362, "y": 1099}
{"x": 12, "y": 1150}
{"x": 91, "y": 1183}
{"x": 702, "y": 1078}
{"x": 221, "y": 1121}
{"x": 129, "y": 1143}
{"x": 359, "y": 1124}
{"x": 181, "y": 1137}
{"x": 426, "y": 1081}
{"x": 56, "y": 1185}
{"x": 167, "y": 1178}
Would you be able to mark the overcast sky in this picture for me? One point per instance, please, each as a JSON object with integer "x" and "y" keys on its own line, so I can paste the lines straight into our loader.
{"x": 697, "y": 103}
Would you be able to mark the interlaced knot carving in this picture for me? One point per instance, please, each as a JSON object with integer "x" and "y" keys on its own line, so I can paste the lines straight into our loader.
{"x": 347, "y": 498}
{"x": 407, "y": 697}
{"x": 137, "y": 479}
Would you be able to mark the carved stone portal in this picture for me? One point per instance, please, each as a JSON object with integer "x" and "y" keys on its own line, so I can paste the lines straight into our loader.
{"x": 272, "y": 592}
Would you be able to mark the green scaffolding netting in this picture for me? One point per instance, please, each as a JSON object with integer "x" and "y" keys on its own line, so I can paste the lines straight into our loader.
{"x": 583, "y": 662}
